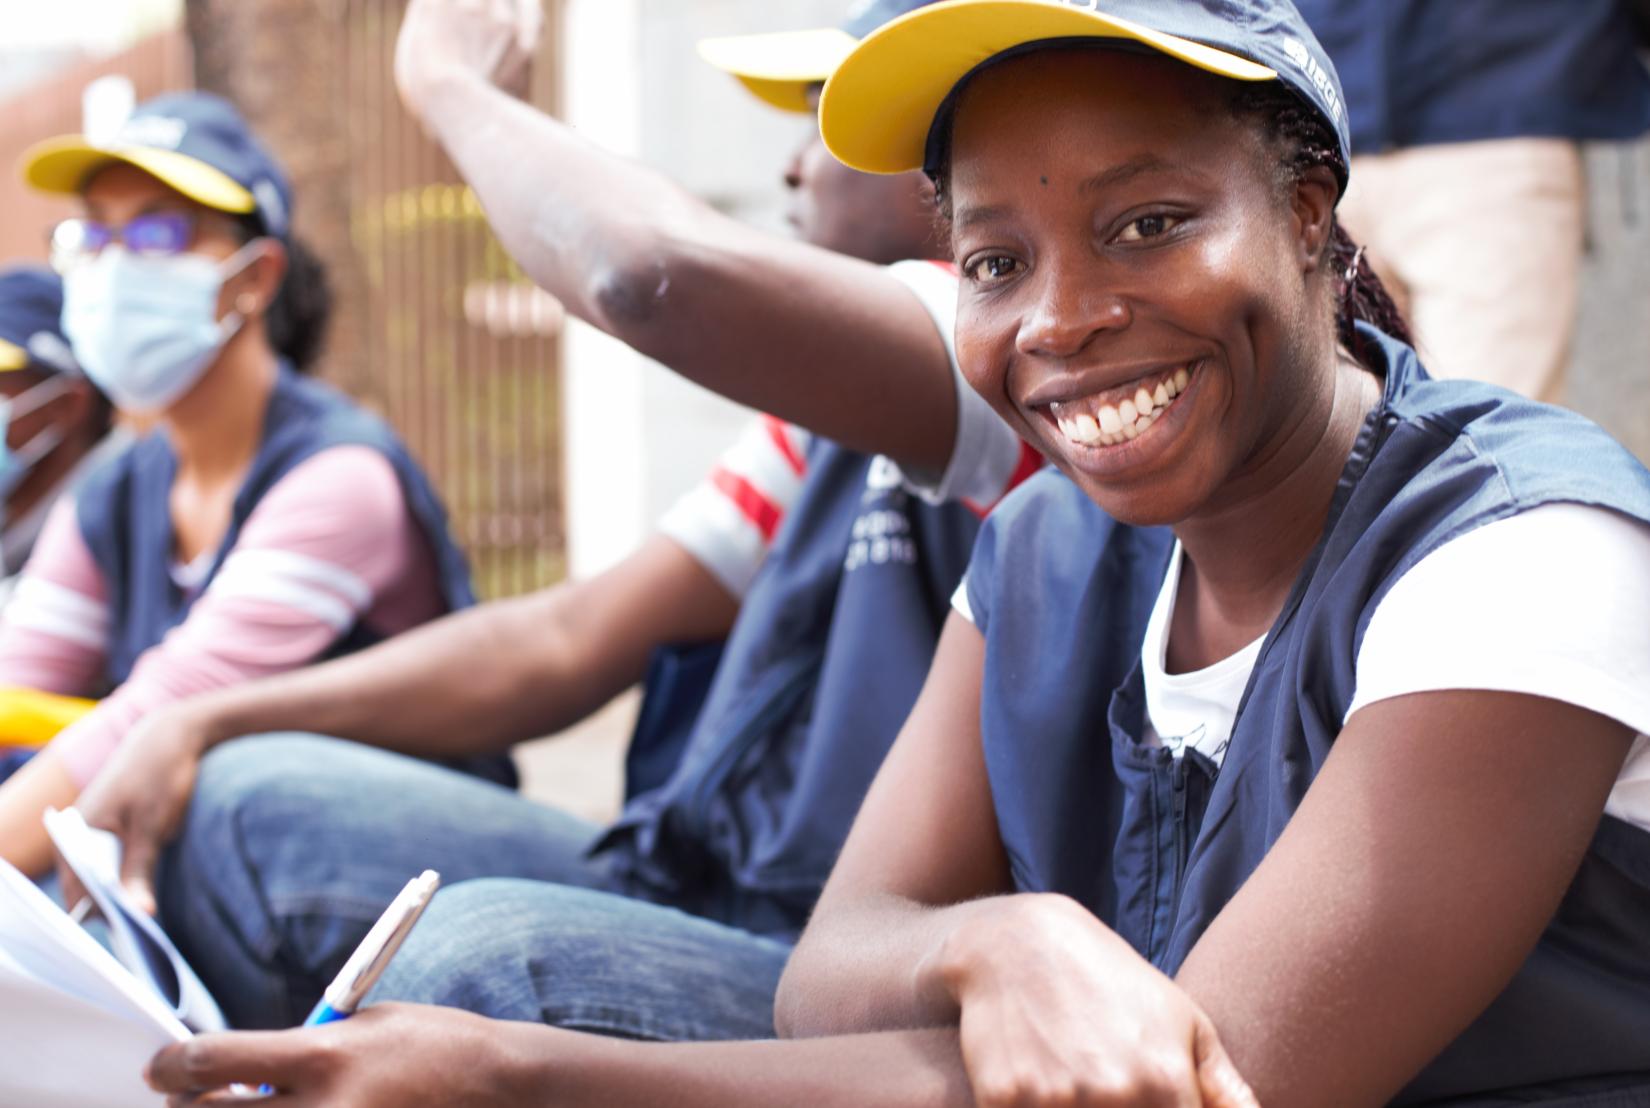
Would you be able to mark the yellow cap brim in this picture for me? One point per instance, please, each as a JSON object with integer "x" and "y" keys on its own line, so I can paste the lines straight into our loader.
{"x": 12, "y": 357}
{"x": 779, "y": 69}
{"x": 881, "y": 100}
{"x": 63, "y": 165}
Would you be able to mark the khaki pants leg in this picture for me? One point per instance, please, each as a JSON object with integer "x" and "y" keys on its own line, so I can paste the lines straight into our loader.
{"x": 1482, "y": 244}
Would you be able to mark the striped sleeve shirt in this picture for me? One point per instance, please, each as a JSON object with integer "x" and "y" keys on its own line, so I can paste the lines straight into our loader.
{"x": 330, "y": 545}
{"x": 728, "y": 522}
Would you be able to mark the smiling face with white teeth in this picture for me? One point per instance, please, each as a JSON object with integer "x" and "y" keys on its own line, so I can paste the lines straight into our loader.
{"x": 1140, "y": 298}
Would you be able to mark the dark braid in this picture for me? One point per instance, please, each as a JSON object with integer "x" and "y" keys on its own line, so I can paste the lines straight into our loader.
{"x": 1304, "y": 141}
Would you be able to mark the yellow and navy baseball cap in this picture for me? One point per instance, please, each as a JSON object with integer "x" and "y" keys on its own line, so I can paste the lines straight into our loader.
{"x": 780, "y": 68}
{"x": 193, "y": 141}
{"x": 879, "y": 108}
{"x": 31, "y": 327}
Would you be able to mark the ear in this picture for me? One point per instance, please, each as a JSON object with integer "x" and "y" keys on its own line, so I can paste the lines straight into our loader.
{"x": 927, "y": 194}
{"x": 256, "y": 285}
{"x": 1312, "y": 203}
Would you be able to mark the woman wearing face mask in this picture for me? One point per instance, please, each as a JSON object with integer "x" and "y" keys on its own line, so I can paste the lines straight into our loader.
{"x": 1286, "y": 741}
{"x": 264, "y": 521}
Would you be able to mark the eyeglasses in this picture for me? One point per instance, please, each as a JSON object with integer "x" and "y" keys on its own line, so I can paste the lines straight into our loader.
{"x": 74, "y": 242}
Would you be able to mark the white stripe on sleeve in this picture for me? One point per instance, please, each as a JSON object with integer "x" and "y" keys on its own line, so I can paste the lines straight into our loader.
{"x": 302, "y": 569}
{"x": 52, "y": 609}
{"x": 322, "y": 590}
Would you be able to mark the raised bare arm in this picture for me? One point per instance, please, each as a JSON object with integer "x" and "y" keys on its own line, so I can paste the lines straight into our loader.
{"x": 830, "y": 343}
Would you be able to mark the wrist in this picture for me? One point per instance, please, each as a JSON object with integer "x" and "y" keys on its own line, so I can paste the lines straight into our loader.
{"x": 204, "y": 721}
{"x": 964, "y": 951}
{"x": 437, "y": 92}
{"x": 538, "y": 1065}
{"x": 974, "y": 950}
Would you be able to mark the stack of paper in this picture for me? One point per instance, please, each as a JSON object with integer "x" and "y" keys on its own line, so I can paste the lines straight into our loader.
{"x": 77, "y": 1026}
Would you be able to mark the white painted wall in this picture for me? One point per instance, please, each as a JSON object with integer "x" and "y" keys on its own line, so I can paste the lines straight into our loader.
{"x": 637, "y": 436}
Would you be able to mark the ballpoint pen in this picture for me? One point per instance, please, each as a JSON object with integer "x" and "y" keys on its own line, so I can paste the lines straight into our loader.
{"x": 368, "y": 962}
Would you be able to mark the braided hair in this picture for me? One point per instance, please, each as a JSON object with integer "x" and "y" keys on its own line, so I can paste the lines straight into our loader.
{"x": 1303, "y": 141}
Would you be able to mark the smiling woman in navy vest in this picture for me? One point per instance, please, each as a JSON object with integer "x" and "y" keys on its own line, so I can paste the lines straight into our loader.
{"x": 264, "y": 520}
{"x": 1284, "y": 743}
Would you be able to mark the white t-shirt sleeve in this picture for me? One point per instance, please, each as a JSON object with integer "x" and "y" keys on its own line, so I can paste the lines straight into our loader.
{"x": 1554, "y": 602}
{"x": 962, "y": 605}
{"x": 729, "y": 520}
{"x": 988, "y": 458}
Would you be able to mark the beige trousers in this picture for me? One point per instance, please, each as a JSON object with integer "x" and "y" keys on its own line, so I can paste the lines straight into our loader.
{"x": 1480, "y": 243}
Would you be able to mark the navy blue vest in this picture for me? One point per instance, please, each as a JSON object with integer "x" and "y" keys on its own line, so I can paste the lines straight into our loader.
{"x": 124, "y": 512}
{"x": 1155, "y": 847}
{"x": 830, "y": 649}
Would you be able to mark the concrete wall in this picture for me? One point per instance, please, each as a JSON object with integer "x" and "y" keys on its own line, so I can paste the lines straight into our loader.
{"x": 638, "y": 436}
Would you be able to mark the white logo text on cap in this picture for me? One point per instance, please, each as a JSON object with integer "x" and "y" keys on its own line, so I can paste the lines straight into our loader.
{"x": 1303, "y": 58}
{"x": 152, "y": 130}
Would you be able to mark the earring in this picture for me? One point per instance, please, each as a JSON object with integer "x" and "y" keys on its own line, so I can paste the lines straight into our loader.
{"x": 246, "y": 303}
{"x": 1352, "y": 269}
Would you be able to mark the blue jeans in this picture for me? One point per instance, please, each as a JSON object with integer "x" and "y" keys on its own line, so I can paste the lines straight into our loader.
{"x": 12, "y": 760}
{"x": 294, "y": 844}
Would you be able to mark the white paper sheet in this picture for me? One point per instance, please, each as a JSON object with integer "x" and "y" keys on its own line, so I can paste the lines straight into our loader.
{"x": 75, "y": 1027}
{"x": 63, "y": 1052}
{"x": 138, "y": 942}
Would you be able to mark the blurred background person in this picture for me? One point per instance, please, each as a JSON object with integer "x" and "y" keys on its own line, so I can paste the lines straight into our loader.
{"x": 54, "y": 427}
{"x": 56, "y": 424}
{"x": 1467, "y": 121}
{"x": 265, "y": 521}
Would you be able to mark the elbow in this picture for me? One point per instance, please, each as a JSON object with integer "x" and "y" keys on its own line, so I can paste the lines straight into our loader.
{"x": 629, "y": 294}
{"x": 635, "y": 296}
{"x": 790, "y": 1010}
{"x": 807, "y": 1005}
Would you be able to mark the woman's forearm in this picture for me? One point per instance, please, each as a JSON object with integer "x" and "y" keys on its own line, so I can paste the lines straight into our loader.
{"x": 44, "y": 782}
{"x": 630, "y": 252}
{"x": 888, "y": 964}
{"x": 907, "y": 1069}
{"x": 583, "y": 223}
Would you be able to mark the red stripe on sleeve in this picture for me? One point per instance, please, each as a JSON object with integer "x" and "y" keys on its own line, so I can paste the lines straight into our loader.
{"x": 782, "y": 442}
{"x": 763, "y": 513}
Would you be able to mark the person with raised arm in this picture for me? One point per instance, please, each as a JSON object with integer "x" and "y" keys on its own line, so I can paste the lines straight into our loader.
{"x": 826, "y": 574}
{"x": 1286, "y": 744}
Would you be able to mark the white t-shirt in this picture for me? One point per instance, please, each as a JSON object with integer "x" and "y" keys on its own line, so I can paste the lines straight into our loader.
{"x": 1554, "y": 602}
{"x": 1194, "y": 709}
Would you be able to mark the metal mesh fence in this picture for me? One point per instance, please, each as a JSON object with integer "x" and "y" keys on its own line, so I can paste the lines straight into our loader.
{"x": 434, "y": 326}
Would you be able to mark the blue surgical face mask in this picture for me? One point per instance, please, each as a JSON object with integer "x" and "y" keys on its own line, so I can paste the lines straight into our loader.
{"x": 146, "y": 328}
{"x": 15, "y": 464}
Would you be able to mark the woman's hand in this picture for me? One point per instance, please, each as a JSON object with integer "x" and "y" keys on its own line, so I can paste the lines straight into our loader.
{"x": 388, "y": 1056}
{"x": 490, "y": 39}
{"x": 141, "y": 794}
{"x": 1058, "y": 1010}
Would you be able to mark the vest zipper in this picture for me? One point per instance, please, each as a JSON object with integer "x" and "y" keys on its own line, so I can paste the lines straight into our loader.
{"x": 1177, "y": 779}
